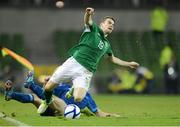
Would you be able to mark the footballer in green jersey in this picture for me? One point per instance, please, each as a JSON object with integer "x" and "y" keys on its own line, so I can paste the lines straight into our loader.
{"x": 92, "y": 46}
{"x": 84, "y": 59}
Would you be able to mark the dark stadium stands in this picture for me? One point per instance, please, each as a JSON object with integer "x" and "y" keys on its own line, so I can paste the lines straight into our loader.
{"x": 105, "y": 4}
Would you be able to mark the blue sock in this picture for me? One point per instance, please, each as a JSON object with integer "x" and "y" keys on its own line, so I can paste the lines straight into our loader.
{"x": 21, "y": 97}
{"x": 37, "y": 90}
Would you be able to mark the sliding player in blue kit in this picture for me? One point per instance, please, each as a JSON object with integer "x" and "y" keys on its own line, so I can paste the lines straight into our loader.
{"x": 59, "y": 96}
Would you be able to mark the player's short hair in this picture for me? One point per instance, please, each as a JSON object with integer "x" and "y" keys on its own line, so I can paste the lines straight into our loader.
{"x": 107, "y": 17}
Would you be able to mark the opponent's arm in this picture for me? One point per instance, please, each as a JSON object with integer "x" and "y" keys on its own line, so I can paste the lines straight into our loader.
{"x": 87, "y": 17}
{"x": 120, "y": 62}
{"x": 100, "y": 113}
{"x": 95, "y": 110}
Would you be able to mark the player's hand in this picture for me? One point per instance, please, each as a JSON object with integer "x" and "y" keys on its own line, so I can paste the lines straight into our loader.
{"x": 115, "y": 115}
{"x": 90, "y": 10}
{"x": 100, "y": 113}
{"x": 133, "y": 65}
{"x": 112, "y": 115}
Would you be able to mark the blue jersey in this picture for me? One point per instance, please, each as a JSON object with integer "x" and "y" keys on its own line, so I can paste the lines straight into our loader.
{"x": 88, "y": 101}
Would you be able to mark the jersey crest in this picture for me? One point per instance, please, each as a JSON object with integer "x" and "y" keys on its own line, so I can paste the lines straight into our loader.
{"x": 101, "y": 45}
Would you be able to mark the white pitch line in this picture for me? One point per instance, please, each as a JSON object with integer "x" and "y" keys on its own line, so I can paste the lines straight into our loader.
{"x": 16, "y": 122}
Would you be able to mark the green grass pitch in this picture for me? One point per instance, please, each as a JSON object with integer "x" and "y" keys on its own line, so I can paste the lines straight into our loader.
{"x": 136, "y": 110}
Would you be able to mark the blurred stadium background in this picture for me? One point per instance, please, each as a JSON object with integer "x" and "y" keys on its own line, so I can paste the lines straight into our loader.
{"x": 42, "y": 33}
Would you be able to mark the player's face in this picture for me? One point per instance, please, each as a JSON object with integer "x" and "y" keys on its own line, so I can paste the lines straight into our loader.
{"x": 107, "y": 26}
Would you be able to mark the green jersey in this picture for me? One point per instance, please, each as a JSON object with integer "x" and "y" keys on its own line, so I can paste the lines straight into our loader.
{"x": 91, "y": 48}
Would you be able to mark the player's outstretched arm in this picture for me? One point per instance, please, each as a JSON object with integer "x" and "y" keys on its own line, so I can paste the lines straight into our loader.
{"x": 120, "y": 62}
{"x": 87, "y": 17}
{"x": 100, "y": 113}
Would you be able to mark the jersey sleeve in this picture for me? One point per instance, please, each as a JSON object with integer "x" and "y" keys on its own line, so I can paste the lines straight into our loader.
{"x": 109, "y": 51}
{"x": 91, "y": 103}
{"x": 90, "y": 28}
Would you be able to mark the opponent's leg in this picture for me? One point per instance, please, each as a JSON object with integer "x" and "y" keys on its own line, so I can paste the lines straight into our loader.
{"x": 49, "y": 111}
{"x": 21, "y": 97}
{"x": 48, "y": 91}
{"x": 58, "y": 105}
{"x": 30, "y": 84}
{"x": 29, "y": 79}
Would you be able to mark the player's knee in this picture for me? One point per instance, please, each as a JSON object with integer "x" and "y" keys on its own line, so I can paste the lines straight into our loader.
{"x": 79, "y": 94}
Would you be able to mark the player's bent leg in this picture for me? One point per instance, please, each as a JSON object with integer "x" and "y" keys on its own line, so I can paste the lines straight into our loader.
{"x": 58, "y": 105}
{"x": 48, "y": 96}
{"x": 49, "y": 111}
{"x": 79, "y": 94}
{"x": 29, "y": 79}
{"x": 81, "y": 85}
{"x": 43, "y": 106}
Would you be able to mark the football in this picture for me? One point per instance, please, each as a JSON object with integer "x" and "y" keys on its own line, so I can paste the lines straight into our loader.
{"x": 59, "y": 4}
{"x": 72, "y": 111}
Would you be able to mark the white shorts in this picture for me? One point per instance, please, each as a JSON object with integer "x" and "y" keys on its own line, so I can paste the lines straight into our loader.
{"x": 71, "y": 70}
